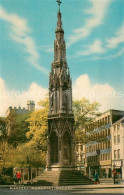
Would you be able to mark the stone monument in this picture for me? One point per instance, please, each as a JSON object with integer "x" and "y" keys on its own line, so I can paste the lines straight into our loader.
{"x": 60, "y": 152}
{"x": 60, "y": 169}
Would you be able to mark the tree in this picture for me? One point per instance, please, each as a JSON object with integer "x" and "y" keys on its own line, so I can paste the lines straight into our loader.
{"x": 84, "y": 113}
{"x": 37, "y": 133}
{"x": 3, "y": 131}
{"x": 7, "y": 154}
{"x": 18, "y": 128}
{"x": 26, "y": 155}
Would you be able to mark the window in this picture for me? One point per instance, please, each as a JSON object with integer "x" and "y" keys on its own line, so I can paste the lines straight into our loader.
{"x": 118, "y": 138}
{"x": 108, "y": 131}
{"x": 118, "y": 127}
{"x": 114, "y": 154}
{"x": 114, "y": 128}
{"x": 108, "y": 144}
{"x": 106, "y": 120}
{"x": 114, "y": 139}
{"x": 118, "y": 153}
{"x": 81, "y": 147}
{"x": 108, "y": 156}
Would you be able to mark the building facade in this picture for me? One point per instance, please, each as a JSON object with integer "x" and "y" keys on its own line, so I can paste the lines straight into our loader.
{"x": 118, "y": 146}
{"x": 98, "y": 152}
{"x": 19, "y": 110}
{"x": 80, "y": 156}
{"x": 60, "y": 150}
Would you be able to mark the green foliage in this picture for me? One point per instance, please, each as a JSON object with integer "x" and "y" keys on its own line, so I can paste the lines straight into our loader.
{"x": 5, "y": 179}
{"x": 3, "y": 132}
{"x": 84, "y": 113}
{"x": 37, "y": 133}
{"x": 19, "y": 127}
{"x": 27, "y": 156}
{"x": 7, "y": 154}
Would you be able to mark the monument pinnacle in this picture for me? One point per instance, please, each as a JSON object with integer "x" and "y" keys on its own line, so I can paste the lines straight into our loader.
{"x": 59, "y": 3}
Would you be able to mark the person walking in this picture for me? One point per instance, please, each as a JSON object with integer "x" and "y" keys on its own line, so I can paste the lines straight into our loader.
{"x": 15, "y": 178}
{"x": 114, "y": 175}
{"x": 19, "y": 176}
{"x": 119, "y": 177}
{"x": 96, "y": 177}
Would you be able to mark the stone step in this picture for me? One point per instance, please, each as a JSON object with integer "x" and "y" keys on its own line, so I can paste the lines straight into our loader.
{"x": 62, "y": 178}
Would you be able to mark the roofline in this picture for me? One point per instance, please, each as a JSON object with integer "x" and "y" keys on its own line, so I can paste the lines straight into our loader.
{"x": 118, "y": 121}
{"x": 112, "y": 110}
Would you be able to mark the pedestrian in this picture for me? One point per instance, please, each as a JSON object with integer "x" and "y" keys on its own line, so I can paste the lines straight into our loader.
{"x": 15, "y": 178}
{"x": 19, "y": 176}
{"x": 96, "y": 177}
{"x": 119, "y": 177}
{"x": 114, "y": 175}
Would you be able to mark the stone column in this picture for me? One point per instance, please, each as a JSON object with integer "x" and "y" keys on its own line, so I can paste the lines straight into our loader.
{"x": 60, "y": 99}
{"x": 54, "y": 100}
{"x": 59, "y": 150}
{"x": 73, "y": 151}
{"x": 48, "y": 154}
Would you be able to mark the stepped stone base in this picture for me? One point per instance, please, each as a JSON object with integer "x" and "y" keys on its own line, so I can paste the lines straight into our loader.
{"x": 62, "y": 178}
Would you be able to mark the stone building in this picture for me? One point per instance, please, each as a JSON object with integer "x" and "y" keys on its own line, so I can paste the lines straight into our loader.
{"x": 80, "y": 156}
{"x": 19, "y": 110}
{"x": 98, "y": 152}
{"x": 60, "y": 119}
{"x": 118, "y": 146}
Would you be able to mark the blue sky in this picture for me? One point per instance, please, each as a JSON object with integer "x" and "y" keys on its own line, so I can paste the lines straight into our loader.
{"x": 94, "y": 34}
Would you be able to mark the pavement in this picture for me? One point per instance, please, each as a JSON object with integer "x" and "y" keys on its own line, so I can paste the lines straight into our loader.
{"x": 63, "y": 190}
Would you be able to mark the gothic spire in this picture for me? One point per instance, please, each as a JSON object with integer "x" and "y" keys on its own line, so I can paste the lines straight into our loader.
{"x": 59, "y": 43}
{"x": 60, "y": 85}
{"x": 59, "y": 22}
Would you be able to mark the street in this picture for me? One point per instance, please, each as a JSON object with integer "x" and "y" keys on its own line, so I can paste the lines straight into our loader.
{"x": 72, "y": 190}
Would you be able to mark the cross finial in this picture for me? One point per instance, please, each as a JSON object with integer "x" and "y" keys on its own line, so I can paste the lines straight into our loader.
{"x": 59, "y": 3}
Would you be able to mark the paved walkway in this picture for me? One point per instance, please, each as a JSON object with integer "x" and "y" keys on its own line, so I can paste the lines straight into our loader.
{"x": 94, "y": 186}
{"x": 63, "y": 190}
{"x": 106, "y": 187}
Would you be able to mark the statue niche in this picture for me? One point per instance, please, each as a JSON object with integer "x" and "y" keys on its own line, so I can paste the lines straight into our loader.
{"x": 64, "y": 96}
{"x": 66, "y": 148}
{"x": 53, "y": 148}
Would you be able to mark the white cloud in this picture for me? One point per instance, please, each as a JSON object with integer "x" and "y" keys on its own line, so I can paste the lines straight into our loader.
{"x": 97, "y": 13}
{"x": 20, "y": 32}
{"x": 119, "y": 53}
{"x": 96, "y": 47}
{"x": 119, "y": 38}
{"x": 105, "y": 94}
{"x": 15, "y": 98}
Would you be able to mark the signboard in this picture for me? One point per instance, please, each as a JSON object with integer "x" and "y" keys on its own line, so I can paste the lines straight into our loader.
{"x": 117, "y": 163}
